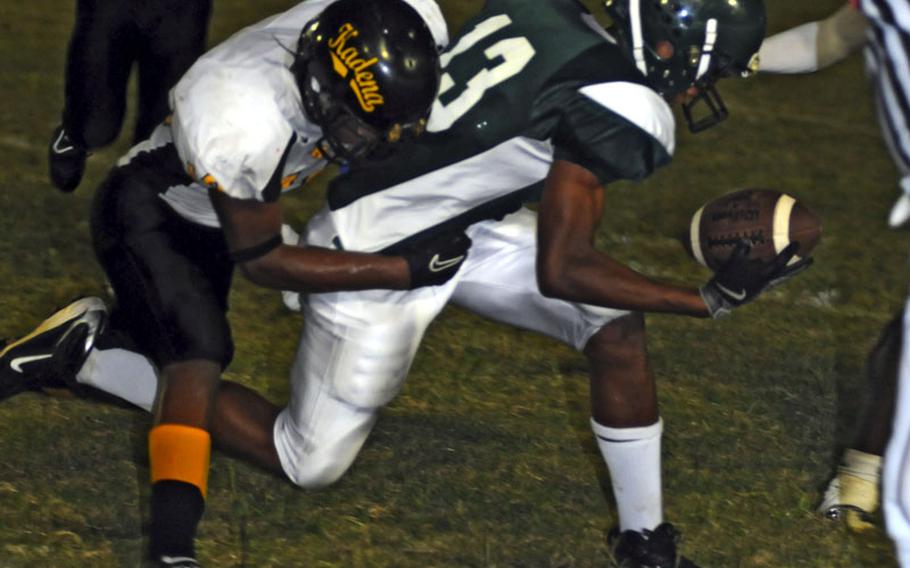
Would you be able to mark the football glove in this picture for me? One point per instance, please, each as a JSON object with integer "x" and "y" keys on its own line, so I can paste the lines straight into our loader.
{"x": 740, "y": 280}
{"x": 434, "y": 260}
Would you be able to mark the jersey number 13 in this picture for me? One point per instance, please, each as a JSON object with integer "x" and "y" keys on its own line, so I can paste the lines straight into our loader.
{"x": 514, "y": 53}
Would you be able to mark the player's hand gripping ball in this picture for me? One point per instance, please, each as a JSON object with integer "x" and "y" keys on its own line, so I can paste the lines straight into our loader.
{"x": 768, "y": 219}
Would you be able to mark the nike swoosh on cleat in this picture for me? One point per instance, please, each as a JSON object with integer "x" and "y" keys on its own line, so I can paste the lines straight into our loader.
{"x": 56, "y": 146}
{"x": 17, "y": 363}
{"x": 738, "y": 296}
{"x": 437, "y": 265}
{"x": 179, "y": 561}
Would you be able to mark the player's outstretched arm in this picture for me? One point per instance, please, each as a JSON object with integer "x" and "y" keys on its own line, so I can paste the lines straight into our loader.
{"x": 253, "y": 233}
{"x": 570, "y": 268}
{"x": 814, "y": 45}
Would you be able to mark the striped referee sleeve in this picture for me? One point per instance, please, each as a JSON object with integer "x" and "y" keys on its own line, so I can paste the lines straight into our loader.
{"x": 888, "y": 61}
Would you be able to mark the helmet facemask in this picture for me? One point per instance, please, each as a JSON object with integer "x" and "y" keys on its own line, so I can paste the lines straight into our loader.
{"x": 719, "y": 66}
{"x": 345, "y": 136}
{"x": 708, "y": 97}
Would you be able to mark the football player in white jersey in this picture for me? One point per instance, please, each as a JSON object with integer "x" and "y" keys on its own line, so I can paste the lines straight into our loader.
{"x": 251, "y": 119}
{"x": 256, "y": 116}
{"x": 536, "y": 102}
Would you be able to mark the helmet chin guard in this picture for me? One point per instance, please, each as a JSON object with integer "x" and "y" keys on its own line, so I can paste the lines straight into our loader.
{"x": 717, "y": 111}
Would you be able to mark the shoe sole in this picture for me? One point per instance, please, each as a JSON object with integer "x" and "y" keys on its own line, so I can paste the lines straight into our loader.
{"x": 79, "y": 308}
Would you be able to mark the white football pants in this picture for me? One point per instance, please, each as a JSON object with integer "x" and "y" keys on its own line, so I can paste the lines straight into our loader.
{"x": 356, "y": 347}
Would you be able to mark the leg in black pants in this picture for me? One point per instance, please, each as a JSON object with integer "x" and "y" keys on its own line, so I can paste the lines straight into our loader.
{"x": 163, "y": 36}
{"x": 99, "y": 59}
{"x": 174, "y": 36}
{"x": 171, "y": 278}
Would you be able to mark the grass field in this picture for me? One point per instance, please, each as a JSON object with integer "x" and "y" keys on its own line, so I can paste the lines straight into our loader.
{"x": 486, "y": 460}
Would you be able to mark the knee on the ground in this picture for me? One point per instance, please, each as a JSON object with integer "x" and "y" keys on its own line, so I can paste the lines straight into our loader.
{"x": 318, "y": 472}
{"x": 317, "y": 454}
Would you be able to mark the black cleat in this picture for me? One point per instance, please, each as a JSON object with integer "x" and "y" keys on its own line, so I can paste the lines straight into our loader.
{"x": 52, "y": 354}
{"x": 66, "y": 161}
{"x": 178, "y": 562}
{"x": 647, "y": 549}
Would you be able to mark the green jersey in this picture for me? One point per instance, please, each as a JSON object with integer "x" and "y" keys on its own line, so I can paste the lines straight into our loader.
{"x": 524, "y": 84}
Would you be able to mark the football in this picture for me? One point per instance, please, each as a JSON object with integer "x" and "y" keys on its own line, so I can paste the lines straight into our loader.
{"x": 769, "y": 219}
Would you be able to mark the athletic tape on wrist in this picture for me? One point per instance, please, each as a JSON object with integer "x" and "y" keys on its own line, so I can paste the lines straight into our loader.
{"x": 256, "y": 251}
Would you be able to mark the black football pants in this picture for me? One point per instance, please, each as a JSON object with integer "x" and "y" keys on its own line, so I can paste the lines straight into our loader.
{"x": 162, "y": 37}
{"x": 171, "y": 277}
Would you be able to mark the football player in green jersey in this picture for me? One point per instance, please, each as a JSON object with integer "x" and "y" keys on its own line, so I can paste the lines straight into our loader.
{"x": 536, "y": 103}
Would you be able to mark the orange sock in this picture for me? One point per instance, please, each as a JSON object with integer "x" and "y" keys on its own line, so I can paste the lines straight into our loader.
{"x": 180, "y": 453}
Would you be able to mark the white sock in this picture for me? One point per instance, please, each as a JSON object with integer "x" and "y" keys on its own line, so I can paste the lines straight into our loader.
{"x": 122, "y": 373}
{"x": 633, "y": 458}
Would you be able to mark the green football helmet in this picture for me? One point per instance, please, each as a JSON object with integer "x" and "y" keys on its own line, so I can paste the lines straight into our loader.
{"x": 679, "y": 44}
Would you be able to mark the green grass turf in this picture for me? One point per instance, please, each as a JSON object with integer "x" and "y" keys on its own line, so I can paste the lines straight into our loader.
{"x": 486, "y": 459}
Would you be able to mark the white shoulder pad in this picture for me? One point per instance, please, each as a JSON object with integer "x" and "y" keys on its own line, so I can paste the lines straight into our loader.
{"x": 639, "y": 105}
{"x": 228, "y": 128}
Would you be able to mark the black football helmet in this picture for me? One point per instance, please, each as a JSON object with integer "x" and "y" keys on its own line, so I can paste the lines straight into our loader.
{"x": 368, "y": 71}
{"x": 708, "y": 39}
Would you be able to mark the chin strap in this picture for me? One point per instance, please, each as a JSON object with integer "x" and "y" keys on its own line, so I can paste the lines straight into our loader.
{"x": 717, "y": 110}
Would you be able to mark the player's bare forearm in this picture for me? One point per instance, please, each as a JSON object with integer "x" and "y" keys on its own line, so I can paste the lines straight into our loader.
{"x": 314, "y": 269}
{"x": 592, "y": 277}
{"x": 570, "y": 268}
{"x": 252, "y": 230}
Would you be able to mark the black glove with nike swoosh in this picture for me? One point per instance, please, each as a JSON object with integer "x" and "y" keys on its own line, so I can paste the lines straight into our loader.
{"x": 740, "y": 280}
{"x": 434, "y": 260}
